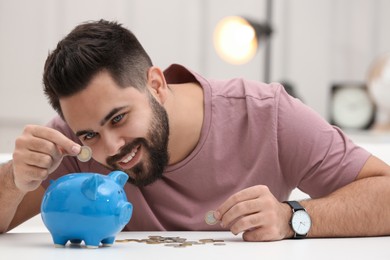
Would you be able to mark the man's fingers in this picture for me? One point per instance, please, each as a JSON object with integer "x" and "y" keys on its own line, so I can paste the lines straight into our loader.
{"x": 241, "y": 196}
{"x": 239, "y": 210}
{"x": 248, "y": 222}
{"x": 262, "y": 234}
{"x": 66, "y": 146}
{"x": 39, "y": 160}
{"x": 32, "y": 178}
{"x": 38, "y": 152}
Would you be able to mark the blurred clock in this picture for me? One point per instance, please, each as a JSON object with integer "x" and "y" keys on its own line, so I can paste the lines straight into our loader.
{"x": 351, "y": 107}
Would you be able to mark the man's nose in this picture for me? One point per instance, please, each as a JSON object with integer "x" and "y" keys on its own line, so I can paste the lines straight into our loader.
{"x": 113, "y": 144}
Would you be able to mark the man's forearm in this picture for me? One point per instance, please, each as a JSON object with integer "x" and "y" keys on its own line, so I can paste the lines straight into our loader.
{"x": 10, "y": 196}
{"x": 361, "y": 208}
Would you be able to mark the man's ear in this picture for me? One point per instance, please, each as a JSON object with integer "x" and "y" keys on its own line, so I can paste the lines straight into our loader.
{"x": 157, "y": 84}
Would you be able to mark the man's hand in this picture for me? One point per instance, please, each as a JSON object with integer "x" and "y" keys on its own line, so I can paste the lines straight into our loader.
{"x": 257, "y": 213}
{"x": 38, "y": 152}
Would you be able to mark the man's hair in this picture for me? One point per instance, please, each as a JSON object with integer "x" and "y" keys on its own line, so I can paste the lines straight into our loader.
{"x": 88, "y": 49}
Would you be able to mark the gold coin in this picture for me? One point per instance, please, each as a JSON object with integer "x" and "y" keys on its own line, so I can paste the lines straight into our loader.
{"x": 209, "y": 218}
{"x": 121, "y": 240}
{"x": 85, "y": 154}
{"x": 206, "y": 240}
{"x": 173, "y": 244}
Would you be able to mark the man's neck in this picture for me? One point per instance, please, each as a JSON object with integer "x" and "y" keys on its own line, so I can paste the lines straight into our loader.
{"x": 185, "y": 108}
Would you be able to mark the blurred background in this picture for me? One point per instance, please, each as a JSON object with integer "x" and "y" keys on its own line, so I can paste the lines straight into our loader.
{"x": 331, "y": 53}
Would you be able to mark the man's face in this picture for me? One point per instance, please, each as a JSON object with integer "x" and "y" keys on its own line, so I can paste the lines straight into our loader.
{"x": 126, "y": 129}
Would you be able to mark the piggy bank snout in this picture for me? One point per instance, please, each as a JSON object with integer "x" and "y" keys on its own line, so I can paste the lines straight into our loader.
{"x": 125, "y": 212}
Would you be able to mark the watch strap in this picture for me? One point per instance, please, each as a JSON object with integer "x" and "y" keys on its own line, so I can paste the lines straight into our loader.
{"x": 295, "y": 205}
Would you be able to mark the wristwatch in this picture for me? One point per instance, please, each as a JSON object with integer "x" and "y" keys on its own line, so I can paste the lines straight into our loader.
{"x": 300, "y": 220}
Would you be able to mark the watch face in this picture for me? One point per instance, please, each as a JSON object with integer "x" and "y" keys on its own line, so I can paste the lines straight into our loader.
{"x": 301, "y": 222}
{"x": 352, "y": 107}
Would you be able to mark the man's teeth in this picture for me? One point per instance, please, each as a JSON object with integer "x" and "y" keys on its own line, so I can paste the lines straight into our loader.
{"x": 130, "y": 157}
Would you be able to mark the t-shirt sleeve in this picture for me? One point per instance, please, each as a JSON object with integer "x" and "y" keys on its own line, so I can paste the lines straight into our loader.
{"x": 315, "y": 156}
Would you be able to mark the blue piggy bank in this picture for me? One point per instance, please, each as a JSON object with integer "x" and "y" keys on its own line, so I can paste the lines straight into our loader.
{"x": 87, "y": 207}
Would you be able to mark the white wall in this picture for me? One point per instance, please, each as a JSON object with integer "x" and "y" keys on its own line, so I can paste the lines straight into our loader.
{"x": 316, "y": 43}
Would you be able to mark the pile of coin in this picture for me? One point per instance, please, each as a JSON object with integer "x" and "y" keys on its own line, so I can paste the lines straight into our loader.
{"x": 177, "y": 242}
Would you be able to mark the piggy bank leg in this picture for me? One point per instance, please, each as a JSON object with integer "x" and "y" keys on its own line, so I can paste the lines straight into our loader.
{"x": 92, "y": 242}
{"x": 108, "y": 241}
{"x": 59, "y": 241}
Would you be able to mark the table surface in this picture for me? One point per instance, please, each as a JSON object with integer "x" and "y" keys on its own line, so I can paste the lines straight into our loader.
{"x": 39, "y": 246}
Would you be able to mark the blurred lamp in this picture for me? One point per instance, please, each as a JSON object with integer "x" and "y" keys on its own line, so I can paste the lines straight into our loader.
{"x": 236, "y": 39}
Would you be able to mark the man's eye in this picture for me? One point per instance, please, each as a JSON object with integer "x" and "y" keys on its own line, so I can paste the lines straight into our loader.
{"x": 89, "y": 136}
{"x": 117, "y": 119}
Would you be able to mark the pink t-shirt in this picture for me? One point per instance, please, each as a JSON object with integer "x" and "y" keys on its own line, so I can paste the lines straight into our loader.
{"x": 253, "y": 133}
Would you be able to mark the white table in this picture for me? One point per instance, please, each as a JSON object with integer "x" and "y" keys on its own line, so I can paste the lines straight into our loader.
{"x": 5, "y": 157}
{"x": 39, "y": 246}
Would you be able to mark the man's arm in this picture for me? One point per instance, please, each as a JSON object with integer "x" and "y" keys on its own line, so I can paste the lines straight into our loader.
{"x": 17, "y": 206}
{"x": 38, "y": 152}
{"x": 10, "y": 196}
{"x": 361, "y": 208}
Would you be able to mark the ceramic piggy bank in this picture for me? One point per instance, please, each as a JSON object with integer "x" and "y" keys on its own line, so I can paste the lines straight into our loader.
{"x": 87, "y": 207}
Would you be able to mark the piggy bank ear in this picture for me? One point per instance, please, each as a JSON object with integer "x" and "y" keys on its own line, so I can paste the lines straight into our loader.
{"x": 119, "y": 177}
{"x": 89, "y": 187}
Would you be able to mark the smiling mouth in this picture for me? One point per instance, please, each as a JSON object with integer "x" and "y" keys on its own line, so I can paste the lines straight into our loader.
{"x": 126, "y": 161}
{"x": 130, "y": 156}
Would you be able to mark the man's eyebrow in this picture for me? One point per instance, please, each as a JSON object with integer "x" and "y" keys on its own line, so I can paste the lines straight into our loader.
{"x": 110, "y": 114}
{"x": 83, "y": 132}
{"x": 102, "y": 122}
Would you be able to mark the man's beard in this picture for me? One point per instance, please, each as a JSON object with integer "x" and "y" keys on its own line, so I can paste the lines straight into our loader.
{"x": 156, "y": 156}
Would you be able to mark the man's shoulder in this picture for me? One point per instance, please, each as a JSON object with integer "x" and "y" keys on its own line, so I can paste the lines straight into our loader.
{"x": 226, "y": 88}
{"x": 244, "y": 88}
